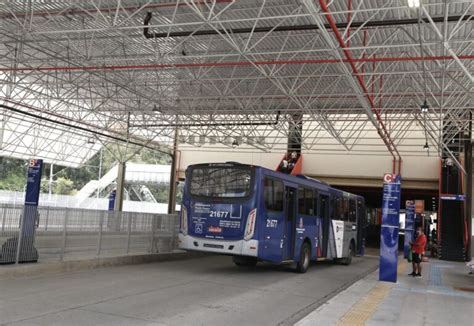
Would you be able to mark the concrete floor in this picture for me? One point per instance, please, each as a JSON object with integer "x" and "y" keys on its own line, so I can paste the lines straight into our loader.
{"x": 201, "y": 291}
{"x": 444, "y": 296}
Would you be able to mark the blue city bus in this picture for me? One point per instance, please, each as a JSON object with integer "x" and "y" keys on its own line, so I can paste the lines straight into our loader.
{"x": 256, "y": 214}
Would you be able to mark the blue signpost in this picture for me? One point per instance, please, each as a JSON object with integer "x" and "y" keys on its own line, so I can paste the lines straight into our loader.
{"x": 21, "y": 248}
{"x": 409, "y": 226}
{"x": 33, "y": 186}
{"x": 112, "y": 200}
{"x": 390, "y": 226}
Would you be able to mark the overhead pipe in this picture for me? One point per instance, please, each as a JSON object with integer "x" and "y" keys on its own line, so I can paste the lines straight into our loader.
{"x": 306, "y": 27}
{"x": 223, "y": 124}
{"x": 234, "y": 63}
{"x": 385, "y": 136}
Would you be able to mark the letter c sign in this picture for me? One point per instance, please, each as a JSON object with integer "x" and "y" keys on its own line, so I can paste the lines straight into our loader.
{"x": 387, "y": 178}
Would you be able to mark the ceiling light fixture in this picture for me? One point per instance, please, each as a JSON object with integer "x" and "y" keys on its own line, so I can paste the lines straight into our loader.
{"x": 426, "y": 146}
{"x": 414, "y": 3}
{"x": 424, "y": 107}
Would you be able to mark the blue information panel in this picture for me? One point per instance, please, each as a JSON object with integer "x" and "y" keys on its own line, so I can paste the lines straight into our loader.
{"x": 390, "y": 226}
{"x": 35, "y": 168}
{"x": 409, "y": 225}
{"x": 33, "y": 184}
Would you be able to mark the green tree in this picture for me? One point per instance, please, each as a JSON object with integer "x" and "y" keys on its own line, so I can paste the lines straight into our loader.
{"x": 68, "y": 180}
{"x": 63, "y": 186}
{"x": 12, "y": 174}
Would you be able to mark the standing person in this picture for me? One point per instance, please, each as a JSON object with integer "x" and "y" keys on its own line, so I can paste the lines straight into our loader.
{"x": 284, "y": 166}
{"x": 292, "y": 161}
{"x": 418, "y": 249}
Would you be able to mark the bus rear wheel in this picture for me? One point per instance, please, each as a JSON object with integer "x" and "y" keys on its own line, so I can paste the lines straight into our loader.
{"x": 303, "y": 264}
{"x": 244, "y": 261}
{"x": 350, "y": 254}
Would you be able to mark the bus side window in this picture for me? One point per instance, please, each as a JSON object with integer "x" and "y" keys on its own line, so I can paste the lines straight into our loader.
{"x": 323, "y": 201}
{"x": 315, "y": 203}
{"x": 305, "y": 201}
{"x": 340, "y": 212}
{"x": 336, "y": 208}
{"x": 301, "y": 209}
{"x": 273, "y": 193}
{"x": 308, "y": 198}
{"x": 352, "y": 210}
{"x": 345, "y": 209}
{"x": 361, "y": 212}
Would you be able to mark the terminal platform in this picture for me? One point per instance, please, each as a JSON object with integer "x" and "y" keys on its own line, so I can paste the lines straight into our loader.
{"x": 443, "y": 296}
{"x": 210, "y": 290}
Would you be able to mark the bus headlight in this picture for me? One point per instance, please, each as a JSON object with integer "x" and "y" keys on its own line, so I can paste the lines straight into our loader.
{"x": 250, "y": 226}
{"x": 184, "y": 220}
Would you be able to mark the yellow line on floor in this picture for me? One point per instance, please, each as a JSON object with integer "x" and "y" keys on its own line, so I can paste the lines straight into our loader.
{"x": 361, "y": 311}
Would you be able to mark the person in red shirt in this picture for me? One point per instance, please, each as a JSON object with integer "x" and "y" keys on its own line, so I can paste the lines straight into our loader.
{"x": 418, "y": 249}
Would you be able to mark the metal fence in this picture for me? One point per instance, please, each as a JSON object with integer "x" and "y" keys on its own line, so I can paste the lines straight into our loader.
{"x": 68, "y": 234}
{"x": 17, "y": 198}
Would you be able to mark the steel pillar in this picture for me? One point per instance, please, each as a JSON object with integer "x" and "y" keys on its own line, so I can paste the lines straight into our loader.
{"x": 295, "y": 133}
{"x": 120, "y": 186}
{"x": 469, "y": 198}
{"x": 172, "y": 193}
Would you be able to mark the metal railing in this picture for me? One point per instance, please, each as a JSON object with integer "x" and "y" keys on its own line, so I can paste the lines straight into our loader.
{"x": 17, "y": 198}
{"x": 68, "y": 233}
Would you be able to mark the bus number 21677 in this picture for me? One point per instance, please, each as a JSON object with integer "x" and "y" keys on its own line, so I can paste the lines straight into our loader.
{"x": 218, "y": 214}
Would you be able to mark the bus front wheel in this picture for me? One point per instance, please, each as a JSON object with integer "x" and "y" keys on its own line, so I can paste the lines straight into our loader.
{"x": 303, "y": 264}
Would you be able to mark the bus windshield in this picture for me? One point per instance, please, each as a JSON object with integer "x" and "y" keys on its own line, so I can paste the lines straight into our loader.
{"x": 220, "y": 181}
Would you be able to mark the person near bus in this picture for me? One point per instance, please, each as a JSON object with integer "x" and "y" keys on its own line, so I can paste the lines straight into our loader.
{"x": 418, "y": 249}
{"x": 292, "y": 161}
{"x": 284, "y": 166}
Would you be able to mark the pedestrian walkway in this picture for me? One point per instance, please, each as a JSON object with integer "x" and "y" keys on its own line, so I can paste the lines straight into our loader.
{"x": 444, "y": 296}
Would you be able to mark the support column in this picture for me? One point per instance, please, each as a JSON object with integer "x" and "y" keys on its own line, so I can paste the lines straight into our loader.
{"x": 120, "y": 186}
{"x": 50, "y": 183}
{"x": 295, "y": 133}
{"x": 469, "y": 191}
{"x": 2, "y": 126}
{"x": 469, "y": 201}
{"x": 455, "y": 202}
{"x": 172, "y": 193}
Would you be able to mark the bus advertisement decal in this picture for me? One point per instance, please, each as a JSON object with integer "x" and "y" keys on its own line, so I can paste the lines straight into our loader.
{"x": 198, "y": 229}
{"x": 215, "y": 229}
{"x": 229, "y": 224}
{"x": 300, "y": 229}
{"x": 338, "y": 229}
{"x": 201, "y": 208}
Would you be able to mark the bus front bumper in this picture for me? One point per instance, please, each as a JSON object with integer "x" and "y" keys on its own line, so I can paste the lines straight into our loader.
{"x": 238, "y": 247}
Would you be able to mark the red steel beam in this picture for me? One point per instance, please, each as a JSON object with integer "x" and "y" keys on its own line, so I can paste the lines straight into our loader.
{"x": 237, "y": 63}
{"x": 385, "y": 136}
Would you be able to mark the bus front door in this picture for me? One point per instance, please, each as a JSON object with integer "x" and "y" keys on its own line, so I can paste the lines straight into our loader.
{"x": 324, "y": 213}
{"x": 289, "y": 236}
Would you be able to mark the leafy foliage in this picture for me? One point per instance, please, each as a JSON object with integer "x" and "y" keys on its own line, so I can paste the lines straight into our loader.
{"x": 12, "y": 174}
{"x": 67, "y": 181}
